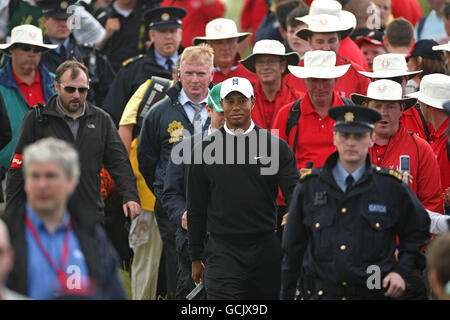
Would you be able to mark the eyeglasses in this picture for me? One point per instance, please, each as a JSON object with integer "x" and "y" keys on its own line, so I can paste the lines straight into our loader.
{"x": 70, "y": 89}
{"x": 28, "y": 48}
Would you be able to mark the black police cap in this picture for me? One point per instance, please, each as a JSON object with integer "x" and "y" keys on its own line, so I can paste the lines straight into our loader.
{"x": 354, "y": 118}
{"x": 165, "y": 17}
{"x": 56, "y": 8}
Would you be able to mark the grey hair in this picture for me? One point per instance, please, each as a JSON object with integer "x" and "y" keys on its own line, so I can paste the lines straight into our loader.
{"x": 56, "y": 150}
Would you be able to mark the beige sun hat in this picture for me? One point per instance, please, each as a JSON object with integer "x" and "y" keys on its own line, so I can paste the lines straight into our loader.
{"x": 272, "y": 47}
{"x": 389, "y": 65}
{"x": 327, "y": 16}
{"x": 384, "y": 90}
{"x": 434, "y": 90}
{"x": 219, "y": 29}
{"x": 445, "y": 47}
{"x": 27, "y": 34}
{"x": 319, "y": 64}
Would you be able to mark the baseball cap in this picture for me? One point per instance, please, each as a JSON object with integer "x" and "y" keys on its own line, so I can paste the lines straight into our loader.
{"x": 238, "y": 84}
{"x": 424, "y": 49}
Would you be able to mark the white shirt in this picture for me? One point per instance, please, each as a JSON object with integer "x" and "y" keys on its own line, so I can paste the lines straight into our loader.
{"x": 190, "y": 111}
{"x": 227, "y": 130}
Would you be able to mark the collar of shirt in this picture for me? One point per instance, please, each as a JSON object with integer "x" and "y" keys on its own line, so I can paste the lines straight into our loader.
{"x": 125, "y": 13}
{"x": 39, "y": 224}
{"x": 162, "y": 60}
{"x": 442, "y": 130}
{"x": 190, "y": 112}
{"x": 65, "y": 44}
{"x": 217, "y": 69}
{"x": 308, "y": 107}
{"x": 64, "y": 114}
{"x": 19, "y": 81}
{"x": 340, "y": 174}
{"x": 227, "y": 130}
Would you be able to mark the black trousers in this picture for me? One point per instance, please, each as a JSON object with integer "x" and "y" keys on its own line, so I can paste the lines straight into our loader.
{"x": 167, "y": 231}
{"x": 243, "y": 268}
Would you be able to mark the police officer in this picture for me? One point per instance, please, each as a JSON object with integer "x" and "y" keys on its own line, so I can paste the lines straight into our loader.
{"x": 344, "y": 218}
{"x": 55, "y": 21}
{"x": 159, "y": 60}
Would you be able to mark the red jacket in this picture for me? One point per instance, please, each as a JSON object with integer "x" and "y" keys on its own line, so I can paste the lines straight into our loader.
{"x": 351, "y": 82}
{"x": 264, "y": 111}
{"x": 439, "y": 145}
{"x": 349, "y": 50}
{"x": 408, "y": 9}
{"x": 315, "y": 138}
{"x": 426, "y": 182}
{"x": 198, "y": 15}
{"x": 413, "y": 123}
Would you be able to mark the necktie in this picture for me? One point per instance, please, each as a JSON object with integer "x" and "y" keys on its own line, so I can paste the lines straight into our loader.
{"x": 349, "y": 182}
{"x": 62, "y": 51}
{"x": 198, "y": 126}
{"x": 169, "y": 63}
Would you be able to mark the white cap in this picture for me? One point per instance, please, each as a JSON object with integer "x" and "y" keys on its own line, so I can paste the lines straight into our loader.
{"x": 241, "y": 85}
{"x": 434, "y": 90}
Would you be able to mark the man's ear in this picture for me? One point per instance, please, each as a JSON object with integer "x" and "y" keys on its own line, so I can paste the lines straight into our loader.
{"x": 282, "y": 32}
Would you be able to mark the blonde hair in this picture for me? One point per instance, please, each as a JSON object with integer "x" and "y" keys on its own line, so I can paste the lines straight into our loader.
{"x": 202, "y": 53}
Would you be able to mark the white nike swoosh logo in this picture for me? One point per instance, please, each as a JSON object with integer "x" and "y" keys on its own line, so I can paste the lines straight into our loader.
{"x": 256, "y": 158}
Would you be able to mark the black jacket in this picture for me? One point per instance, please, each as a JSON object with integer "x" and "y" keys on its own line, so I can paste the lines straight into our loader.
{"x": 163, "y": 125}
{"x": 101, "y": 259}
{"x": 98, "y": 144}
{"x": 101, "y": 72}
{"x": 128, "y": 80}
{"x": 334, "y": 236}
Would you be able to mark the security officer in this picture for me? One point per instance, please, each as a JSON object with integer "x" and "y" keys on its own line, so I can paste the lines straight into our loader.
{"x": 55, "y": 21}
{"x": 344, "y": 218}
{"x": 159, "y": 60}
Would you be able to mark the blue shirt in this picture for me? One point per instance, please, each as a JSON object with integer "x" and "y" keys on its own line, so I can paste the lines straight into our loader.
{"x": 65, "y": 44}
{"x": 162, "y": 61}
{"x": 190, "y": 111}
{"x": 433, "y": 28}
{"x": 340, "y": 174}
{"x": 43, "y": 282}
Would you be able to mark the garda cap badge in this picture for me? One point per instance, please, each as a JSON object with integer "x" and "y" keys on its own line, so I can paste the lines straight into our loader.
{"x": 64, "y": 5}
{"x": 165, "y": 16}
{"x": 349, "y": 117}
{"x": 175, "y": 130}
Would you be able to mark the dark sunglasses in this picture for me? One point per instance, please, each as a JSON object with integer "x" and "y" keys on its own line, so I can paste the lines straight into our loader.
{"x": 69, "y": 89}
{"x": 28, "y": 48}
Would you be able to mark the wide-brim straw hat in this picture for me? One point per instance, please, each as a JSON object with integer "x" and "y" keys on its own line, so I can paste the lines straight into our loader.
{"x": 384, "y": 90}
{"x": 389, "y": 65}
{"x": 327, "y": 16}
{"x": 319, "y": 64}
{"x": 272, "y": 47}
{"x": 27, "y": 34}
{"x": 219, "y": 29}
{"x": 434, "y": 90}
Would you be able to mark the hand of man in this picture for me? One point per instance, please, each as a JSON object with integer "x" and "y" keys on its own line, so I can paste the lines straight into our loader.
{"x": 184, "y": 221}
{"x": 198, "y": 270}
{"x": 133, "y": 207}
{"x": 285, "y": 216}
{"x": 395, "y": 283}
{"x": 112, "y": 25}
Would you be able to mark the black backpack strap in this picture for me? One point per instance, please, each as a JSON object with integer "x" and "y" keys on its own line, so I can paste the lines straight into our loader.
{"x": 420, "y": 25}
{"x": 292, "y": 121}
{"x": 448, "y": 150}
{"x": 155, "y": 92}
{"x": 40, "y": 121}
{"x": 424, "y": 122}
{"x": 347, "y": 101}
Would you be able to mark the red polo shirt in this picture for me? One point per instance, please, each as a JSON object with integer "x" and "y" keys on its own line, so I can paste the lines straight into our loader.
{"x": 424, "y": 169}
{"x": 264, "y": 111}
{"x": 350, "y": 82}
{"x": 315, "y": 138}
{"x": 413, "y": 123}
{"x": 439, "y": 145}
{"x": 32, "y": 93}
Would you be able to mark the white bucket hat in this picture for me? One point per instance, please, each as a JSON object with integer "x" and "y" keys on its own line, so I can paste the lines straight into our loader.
{"x": 434, "y": 90}
{"x": 272, "y": 47}
{"x": 327, "y": 16}
{"x": 389, "y": 65}
{"x": 319, "y": 64}
{"x": 27, "y": 34}
{"x": 445, "y": 47}
{"x": 219, "y": 29}
{"x": 384, "y": 90}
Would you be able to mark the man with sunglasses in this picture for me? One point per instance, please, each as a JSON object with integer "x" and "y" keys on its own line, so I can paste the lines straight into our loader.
{"x": 58, "y": 30}
{"x": 68, "y": 116}
{"x": 24, "y": 81}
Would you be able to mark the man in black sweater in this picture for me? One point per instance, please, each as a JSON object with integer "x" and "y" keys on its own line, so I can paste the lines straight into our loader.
{"x": 233, "y": 185}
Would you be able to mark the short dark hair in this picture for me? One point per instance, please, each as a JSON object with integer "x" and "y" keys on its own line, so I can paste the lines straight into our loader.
{"x": 72, "y": 65}
{"x": 400, "y": 32}
{"x": 301, "y": 11}
{"x": 284, "y": 8}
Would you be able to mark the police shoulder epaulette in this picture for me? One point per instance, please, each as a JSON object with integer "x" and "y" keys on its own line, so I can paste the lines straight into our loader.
{"x": 128, "y": 61}
{"x": 308, "y": 173}
{"x": 389, "y": 172}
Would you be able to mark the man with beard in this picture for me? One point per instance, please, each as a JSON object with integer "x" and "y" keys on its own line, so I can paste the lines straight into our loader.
{"x": 69, "y": 117}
